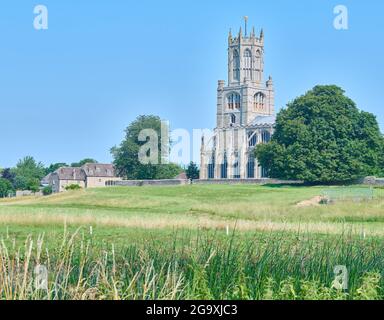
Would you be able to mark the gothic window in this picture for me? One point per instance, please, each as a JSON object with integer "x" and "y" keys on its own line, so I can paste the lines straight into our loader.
{"x": 248, "y": 63}
{"x": 258, "y": 65}
{"x": 236, "y": 65}
{"x": 233, "y": 101}
{"x": 265, "y": 136}
{"x": 224, "y": 168}
{"x": 252, "y": 138}
{"x": 251, "y": 167}
{"x": 258, "y": 60}
{"x": 211, "y": 168}
{"x": 259, "y": 101}
{"x": 236, "y": 167}
{"x": 233, "y": 119}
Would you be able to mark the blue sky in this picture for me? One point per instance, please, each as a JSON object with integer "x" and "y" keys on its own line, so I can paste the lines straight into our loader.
{"x": 68, "y": 92}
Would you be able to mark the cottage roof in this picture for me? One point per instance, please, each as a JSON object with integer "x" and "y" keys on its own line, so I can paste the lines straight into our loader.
{"x": 98, "y": 170}
{"x": 69, "y": 173}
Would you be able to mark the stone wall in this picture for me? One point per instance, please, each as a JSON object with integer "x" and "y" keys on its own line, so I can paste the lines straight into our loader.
{"x": 177, "y": 182}
{"x": 140, "y": 183}
{"x": 245, "y": 181}
{"x": 372, "y": 181}
{"x": 27, "y": 193}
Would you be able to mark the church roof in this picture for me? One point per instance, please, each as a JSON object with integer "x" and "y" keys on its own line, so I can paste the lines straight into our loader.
{"x": 263, "y": 120}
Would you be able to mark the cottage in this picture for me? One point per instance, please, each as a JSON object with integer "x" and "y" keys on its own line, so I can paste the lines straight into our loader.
{"x": 90, "y": 175}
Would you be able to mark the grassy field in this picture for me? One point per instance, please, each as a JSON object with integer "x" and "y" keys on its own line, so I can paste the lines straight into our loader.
{"x": 191, "y": 242}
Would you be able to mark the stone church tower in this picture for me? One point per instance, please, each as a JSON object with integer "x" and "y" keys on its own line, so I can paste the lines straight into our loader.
{"x": 245, "y": 112}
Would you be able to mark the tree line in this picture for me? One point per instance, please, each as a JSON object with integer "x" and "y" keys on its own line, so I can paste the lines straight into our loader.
{"x": 28, "y": 173}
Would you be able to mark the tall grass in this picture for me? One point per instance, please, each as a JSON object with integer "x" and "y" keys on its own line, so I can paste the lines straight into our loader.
{"x": 250, "y": 207}
{"x": 207, "y": 266}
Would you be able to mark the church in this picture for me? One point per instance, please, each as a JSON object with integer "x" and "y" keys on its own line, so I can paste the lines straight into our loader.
{"x": 245, "y": 113}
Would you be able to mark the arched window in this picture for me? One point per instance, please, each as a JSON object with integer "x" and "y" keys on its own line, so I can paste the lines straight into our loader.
{"x": 236, "y": 166}
{"x": 211, "y": 167}
{"x": 233, "y": 119}
{"x": 251, "y": 166}
{"x": 224, "y": 168}
{"x": 252, "y": 138}
{"x": 258, "y": 64}
{"x": 248, "y": 63}
{"x": 265, "y": 136}
{"x": 259, "y": 101}
{"x": 233, "y": 101}
{"x": 236, "y": 66}
{"x": 258, "y": 60}
{"x": 236, "y": 169}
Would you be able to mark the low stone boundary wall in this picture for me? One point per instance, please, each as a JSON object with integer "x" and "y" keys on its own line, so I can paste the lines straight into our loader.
{"x": 245, "y": 181}
{"x": 178, "y": 182}
{"x": 26, "y": 193}
{"x": 373, "y": 181}
{"x": 140, "y": 183}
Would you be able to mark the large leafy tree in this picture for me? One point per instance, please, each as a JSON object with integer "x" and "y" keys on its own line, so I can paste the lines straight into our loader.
{"x": 54, "y": 166}
{"x": 126, "y": 156}
{"x": 28, "y": 174}
{"x": 9, "y": 175}
{"x": 83, "y": 162}
{"x": 323, "y": 137}
{"x": 5, "y": 187}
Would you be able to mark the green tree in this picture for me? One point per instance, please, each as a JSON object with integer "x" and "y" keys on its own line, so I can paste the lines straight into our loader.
{"x": 192, "y": 171}
{"x": 5, "y": 187}
{"x": 126, "y": 156}
{"x": 9, "y": 175}
{"x": 54, "y": 166}
{"x": 83, "y": 162}
{"x": 323, "y": 137}
{"x": 28, "y": 174}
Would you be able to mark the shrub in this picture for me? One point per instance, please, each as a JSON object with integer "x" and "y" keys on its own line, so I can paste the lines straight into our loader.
{"x": 192, "y": 171}
{"x": 47, "y": 190}
{"x": 72, "y": 187}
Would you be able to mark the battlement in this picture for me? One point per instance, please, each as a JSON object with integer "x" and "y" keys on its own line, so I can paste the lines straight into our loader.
{"x": 246, "y": 39}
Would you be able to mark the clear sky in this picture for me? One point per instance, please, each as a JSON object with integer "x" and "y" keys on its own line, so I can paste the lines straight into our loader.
{"x": 68, "y": 92}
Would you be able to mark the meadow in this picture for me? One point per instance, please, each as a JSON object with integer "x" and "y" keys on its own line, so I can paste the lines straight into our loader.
{"x": 191, "y": 242}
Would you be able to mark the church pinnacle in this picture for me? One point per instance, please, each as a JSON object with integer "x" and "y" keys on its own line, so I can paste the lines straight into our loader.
{"x": 246, "y": 24}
